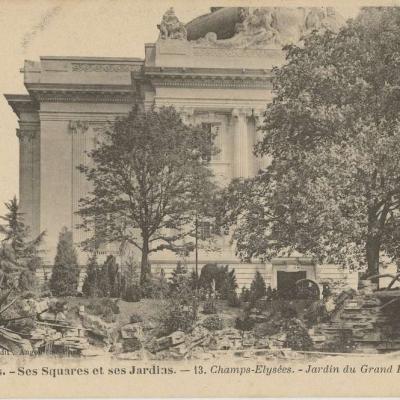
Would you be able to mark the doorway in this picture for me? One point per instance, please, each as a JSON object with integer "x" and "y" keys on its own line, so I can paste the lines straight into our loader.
{"x": 286, "y": 280}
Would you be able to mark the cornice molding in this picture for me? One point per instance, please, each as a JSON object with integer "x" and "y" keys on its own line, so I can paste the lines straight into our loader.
{"x": 194, "y": 81}
{"x": 69, "y": 96}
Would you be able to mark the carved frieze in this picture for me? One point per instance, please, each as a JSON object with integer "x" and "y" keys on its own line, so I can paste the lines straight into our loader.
{"x": 94, "y": 67}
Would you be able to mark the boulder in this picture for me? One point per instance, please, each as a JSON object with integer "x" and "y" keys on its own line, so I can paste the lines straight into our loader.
{"x": 163, "y": 343}
{"x": 98, "y": 326}
{"x": 131, "y": 331}
{"x": 14, "y": 343}
{"x": 131, "y": 344}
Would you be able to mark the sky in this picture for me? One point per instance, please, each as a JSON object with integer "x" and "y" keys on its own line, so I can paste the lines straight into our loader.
{"x": 34, "y": 28}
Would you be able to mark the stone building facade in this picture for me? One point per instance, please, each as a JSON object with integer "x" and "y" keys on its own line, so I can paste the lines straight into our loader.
{"x": 222, "y": 79}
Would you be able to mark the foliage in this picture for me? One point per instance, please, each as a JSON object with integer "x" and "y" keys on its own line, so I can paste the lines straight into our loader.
{"x": 257, "y": 288}
{"x": 90, "y": 286}
{"x": 180, "y": 310}
{"x": 297, "y": 337}
{"x": 233, "y": 299}
{"x": 209, "y": 306}
{"x": 104, "y": 308}
{"x": 244, "y": 322}
{"x": 15, "y": 312}
{"x": 245, "y": 295}
{"x": 19, "y": 255}
{"x": 146, "y": 171}
{"x": 130, "y": 288}
{"x": 179, "y": 277}
{"x": 132, "y": 293}
{"x": 220, "y": 276}
{"x": 332, "y": 188}
{"x": 64, "y": 279}
{"x": 213, "y": 323}
{"x": 135, "y": 318}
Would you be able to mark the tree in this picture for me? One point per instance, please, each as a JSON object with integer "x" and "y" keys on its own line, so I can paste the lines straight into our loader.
{"x": 332, "y": 188}
{"x": 19, "y": 255}
{"x": 144, "y": 171}
{"x": 65, "y": 275}
{"x": 90, "y": 286}
{"x": 258, "y": 288}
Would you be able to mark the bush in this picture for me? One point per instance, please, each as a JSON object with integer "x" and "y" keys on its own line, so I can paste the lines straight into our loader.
{"x": 225, "y": 280}
{"x": 135, "y": 318}
{"x": 244, "y": 323}
{"x": 90, "y": 286}
{"x": 297, "y": 337}
{"x": 245, "y": 295}
{"x": 180, "y": 311}
{"x": 132, "y": 294}
{"x": 233, "y": 300}
{"x": 64, "y": 279}
{"x": 209, "y": 307}
{"x": 258, "y": 288}
{"x": 213, "y": 323}
{"x": 104, "y": 308}
{"x": 176, "y": 317}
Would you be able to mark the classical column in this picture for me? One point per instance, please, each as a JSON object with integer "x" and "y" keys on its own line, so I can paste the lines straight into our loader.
{"x": 78, "y": 130}
{"x": 29, "y": 174}
{"x": 242, "y": 151}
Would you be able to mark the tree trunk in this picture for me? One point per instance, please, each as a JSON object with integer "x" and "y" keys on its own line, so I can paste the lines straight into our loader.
{"x": 372, "y": 252}
{"x": 144, "y": 267}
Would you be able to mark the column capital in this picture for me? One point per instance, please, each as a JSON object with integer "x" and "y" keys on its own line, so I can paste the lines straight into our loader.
{"x": 26, "y": 134}
{"x": 242, "y": 112}
{"x": 77, "y": 126}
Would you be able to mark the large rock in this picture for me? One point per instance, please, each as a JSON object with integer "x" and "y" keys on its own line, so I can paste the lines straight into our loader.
{"x": 14, "y": 343}
{"x": 131, "y": 331}
{"x": 163, "y": 343}
{"x": 98, "y": 326}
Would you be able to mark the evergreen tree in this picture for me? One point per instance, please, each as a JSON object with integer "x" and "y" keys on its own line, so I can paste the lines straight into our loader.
{"x": 64, "y": 279}
{"x": 178, "y": 278}
{"x": 257, "y": 288}
{"x": 90, "y": 286}
{"x": 19, "y": 255}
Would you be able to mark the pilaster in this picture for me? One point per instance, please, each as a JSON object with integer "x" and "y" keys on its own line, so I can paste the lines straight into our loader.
{"x": 29, "y": 173}
{"x": 242, "y": 153}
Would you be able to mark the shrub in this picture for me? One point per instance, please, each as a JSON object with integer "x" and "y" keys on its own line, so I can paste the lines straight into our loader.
{"x": 132, "y": 294}
{"x": 64, "y": 279}
{"x": 297, "y": 337}
{"x": 225, "y": 280}
{"x": 104, "y": 308}
{"x": 135, "y": 318}
{"x": 245, "y": 295}
{"x": 180, "y": 311}
{"x": 257, "y": 288}
{"x": 209, "y": 307}
{"x": 177, "y": 317}
{"x": 90, "y": 286}
{"x": 233, "y": 300}
{"x": 213, "y": 323}
{"x": 244, "y": 323}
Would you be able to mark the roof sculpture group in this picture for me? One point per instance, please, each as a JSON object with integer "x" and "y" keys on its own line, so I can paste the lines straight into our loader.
{"x": 247, "y": 27}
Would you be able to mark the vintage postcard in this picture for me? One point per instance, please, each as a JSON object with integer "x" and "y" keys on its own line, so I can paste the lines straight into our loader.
{"x": 199, "y": 199}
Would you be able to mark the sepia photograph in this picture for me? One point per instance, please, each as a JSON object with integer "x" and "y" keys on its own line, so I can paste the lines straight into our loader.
{"x": 199, "y": 200}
